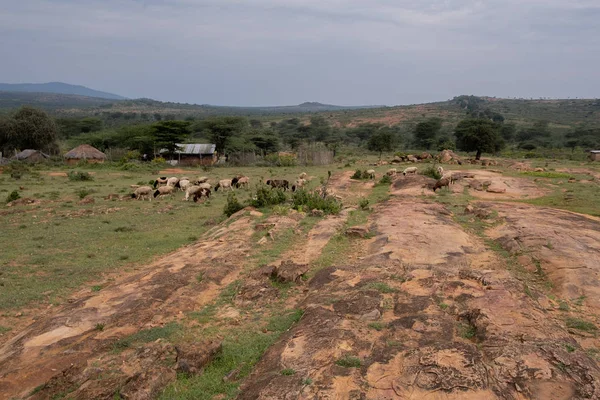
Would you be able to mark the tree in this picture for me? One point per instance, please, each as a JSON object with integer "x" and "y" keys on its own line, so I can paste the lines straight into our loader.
{"x": 28, "y": 128}
{"x": 478, "y": 134}
{"x": 426, "y": 132}
{"x": 168, "y": 133}
{"x": 507, "y": 131}
{"x": 382, "y": 140}
{"x": 221, "y": 129}
{"x": 265, "y": 140}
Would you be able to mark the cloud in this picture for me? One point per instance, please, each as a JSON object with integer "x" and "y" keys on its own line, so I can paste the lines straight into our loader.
{"x": 276, "y": 52}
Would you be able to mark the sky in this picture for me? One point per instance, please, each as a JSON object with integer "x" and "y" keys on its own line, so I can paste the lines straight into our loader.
{"x": 268, "y": 52}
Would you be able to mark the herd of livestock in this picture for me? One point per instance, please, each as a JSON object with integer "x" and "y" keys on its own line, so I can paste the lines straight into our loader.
{"x": 199, "y": 188}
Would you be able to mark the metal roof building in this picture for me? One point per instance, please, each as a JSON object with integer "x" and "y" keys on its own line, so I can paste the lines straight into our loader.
{"x": 194, "y": 154}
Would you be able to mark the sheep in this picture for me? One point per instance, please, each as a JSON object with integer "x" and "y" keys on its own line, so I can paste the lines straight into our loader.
{"x": 371, "y": 173}
{"x": 142, "y": 192}
{"x": 173, "y": 181}
{"x": 440, "y": 170}
{"x": 298, "y": 184}
{"x": 391, "y": 172}
{"x": 183, "y": 184}
{"x": 410, "y": 170}
{"x": 193, "y": 190}
{"x": 279, "y": 183}
{"x": 225, "y": 184}
{"x": 302, "y": 175}
{"x": 164, "y": 191}
{"x": 160, "y": 181}
{"x": 441, "y": 183}
{"x": 200, "y": 194}
{"x": 243, "y": 181}
{"x": 201, "y": 179}
{"x": 235, "y": 180}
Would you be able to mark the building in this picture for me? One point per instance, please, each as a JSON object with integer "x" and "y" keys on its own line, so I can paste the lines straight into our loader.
{"x": 31, "y": 156}
{"x": 594, "y": 155}
{"x": 85, "y": 152}
{"x": 193, "y": 154}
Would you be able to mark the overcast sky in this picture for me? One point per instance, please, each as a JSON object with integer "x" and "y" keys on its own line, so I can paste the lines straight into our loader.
{"x": 269, "y": 52}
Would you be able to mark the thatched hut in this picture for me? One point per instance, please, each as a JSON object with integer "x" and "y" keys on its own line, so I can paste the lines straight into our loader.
{"x": 31, "y": 156}
{"x": 85, "y": 152}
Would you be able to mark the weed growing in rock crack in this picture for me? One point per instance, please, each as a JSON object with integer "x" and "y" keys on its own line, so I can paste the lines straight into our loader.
{"x": 562, "y": 366}
{"x": 96, "y": 288}
{"x": 569, "y": 348}
{"x": 563, "y": 305}
{"x": 581, "y": 325}
{"x": 579, "y": 301}
{"x": 443, "y": 306}
{"x": 349, "y": 362}
{"x": 288, "y": 372}
{"x": 307, "y": 381}
{"x": 378, "y": 326}
{"x": 466, "y": 331}
{"x": 200, "y": 277}
{"x": 380, "y": 287}
{"x": 528, "y": 291}
{"x": 99, "y": 327}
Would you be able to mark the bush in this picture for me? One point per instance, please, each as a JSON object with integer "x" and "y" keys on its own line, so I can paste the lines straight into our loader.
{"x": 232, "y": 206}
{"x": 131, "y": 155}
{"x": 265, "y": 196}
{"x": 82, "y": 193}
{"x": 14, "y": 195}
{"x": 280, "y": 160}
{"x": 158, "y": 161}
{"x": 363, "y": 203}
{"x": 385, "y": 180}
{"x": 303, "y": 199}
{"x": 432, "y": 172}
{"x": 79, "y": 176}
{"x": 357, "y": 174}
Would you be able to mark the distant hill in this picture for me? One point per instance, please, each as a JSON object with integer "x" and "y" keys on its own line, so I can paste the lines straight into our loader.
{"x": 58, "y": 88}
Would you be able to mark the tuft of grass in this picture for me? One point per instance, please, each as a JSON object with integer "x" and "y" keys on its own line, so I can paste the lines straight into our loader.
{"x": 563, "y": 305}
{"x": 466, "y": 331}
{"x": 14, "y": 195}
{"x": 443, "y": 306}
{"x": 200, "y": 277}
{"x": 79, "y": 176}
{"x": 147, "y": 336}
{"x": 99, "y": 327}
{"x": 96, "y": 288}
{"x": 579, "y": 301}
{"x": 378, "y": 326}
{"x": 288, "y": 372}
{"x": 385, "y": 180}
{"x": 569, "y": 348}
{"x": 580, "y": 324}
{"x": 432, "y": 172}
{"x": 4, "y": 329}
{"x": 124, "y": 229}
{"x": 307, "y": 381}
{"x": 380, "y": 287}
{"x": 349, "y": 362}
{"x": 281, "y": 322}
{"x": 363, "y": 203}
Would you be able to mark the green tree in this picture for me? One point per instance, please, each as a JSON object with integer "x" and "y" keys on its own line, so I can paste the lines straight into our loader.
{"x": 382, "y": 140}
{"x": 221, "y": 129}
{"x": 426, "y": 132}
{"x": 478, "y": 134}
{"x": 265, "y": 140}
{"x": 28, "y": 128}
{"x": 508, "y": 131}
{"x": 168, "y": 133}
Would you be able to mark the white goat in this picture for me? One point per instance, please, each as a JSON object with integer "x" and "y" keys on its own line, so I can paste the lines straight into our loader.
{"x": 410, "y": 170}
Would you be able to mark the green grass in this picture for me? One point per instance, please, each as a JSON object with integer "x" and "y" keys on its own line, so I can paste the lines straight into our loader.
{"x": 466, "y": 331}
{"x": 569, "y": 348}
{"x": 4, "y": 329}
{"x": 77, "y": 247}
{"x": 547, "y": 174}
{"x": 242, "y": 349}
{"x": 579, "y": 197}
{"x": 378, "y": 326}
{"x": 581, "y": 325}
{"x": 380, "y": 287}
{"x": 349, "y": 362}
{"x": 288, "y": 372}
{"x": 147, "y": 335}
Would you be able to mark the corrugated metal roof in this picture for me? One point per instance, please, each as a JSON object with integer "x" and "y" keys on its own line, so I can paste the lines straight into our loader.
{"x": 195, "y": 148}
{"x": 595, "y": 151}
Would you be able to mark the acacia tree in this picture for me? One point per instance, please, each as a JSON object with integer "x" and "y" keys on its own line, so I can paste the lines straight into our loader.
{"x": 168, "y": 133}
{"x": 28, "y": 128}
{"x": 426, "y": 132}
{"x": 221, "y": 129}
{"x": 478, "y": 134}
{"x": 382, "y": 140}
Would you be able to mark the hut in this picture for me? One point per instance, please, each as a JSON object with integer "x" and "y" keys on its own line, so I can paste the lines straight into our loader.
{"x": 193, "y": 154}
{"x": 31, "y": 156}
{"x": 594, "y": 155}
{"x": 85, "y": 152}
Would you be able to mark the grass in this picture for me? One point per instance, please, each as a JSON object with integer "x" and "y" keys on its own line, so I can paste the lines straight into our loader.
{"x": 547, "y": 174}
{"x": 380, "y": 287}
{"x": 581, "y": 325}
{"x": 569, "y": 348}
{"x": 349, "y": 362}
{"x": 578, "y": 197}
{"x": 4, "y": 329}
{"x": 288, "y": 372}
{"x": 242, "y": 349}
{"x": 466, "y": 331}
{"x": 78, "y": 240}
{"x": 147, "y": 336}
{"x": 378, "y": 326}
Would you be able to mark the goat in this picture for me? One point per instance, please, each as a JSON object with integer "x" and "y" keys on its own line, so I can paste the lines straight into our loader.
{"x": 441, "y": 183}
{"x": 371, "y": 173}
{"x": 410, "y": 170}
{"x": 279, "y": 183}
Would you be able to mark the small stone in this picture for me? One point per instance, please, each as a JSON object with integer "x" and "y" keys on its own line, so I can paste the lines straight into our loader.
{"x": 371, "y": 316}
{"x": 358, "y": 231}
{"x": 469, "y": 209}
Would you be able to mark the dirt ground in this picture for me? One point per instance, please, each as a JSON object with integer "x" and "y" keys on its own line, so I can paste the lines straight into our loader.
{"x": 424, "y": 306}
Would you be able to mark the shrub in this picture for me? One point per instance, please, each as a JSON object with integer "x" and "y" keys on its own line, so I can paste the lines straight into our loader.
{"x": 432, "y": 172}
{"x": 265, "y": 196}
{"x": 232, "y": 206}
{"x": 349, "y": 362}
{"x": 363, "y": 203}
{"x": 385, "y": 180}
{"x": 84, "y": 192}
{"x": 131, "y": 155}
{"x": 358, "y": 174}
{"x": 14, "y": 195}
{"x": 158, "y": 161}
{"x": 303, "y": 199}
{"x": 79, "y": 176}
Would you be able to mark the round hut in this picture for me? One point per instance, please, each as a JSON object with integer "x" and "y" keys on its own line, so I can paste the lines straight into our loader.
{"x": 85, "y": 152}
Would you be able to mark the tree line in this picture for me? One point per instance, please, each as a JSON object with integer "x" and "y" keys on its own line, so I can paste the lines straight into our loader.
{"x": 480, "y": 131}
